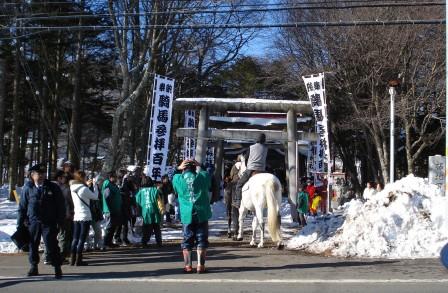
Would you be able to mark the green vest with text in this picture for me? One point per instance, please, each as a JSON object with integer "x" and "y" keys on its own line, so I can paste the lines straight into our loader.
{"x": 192, "y": 189}
{"x": 146, "y": 199}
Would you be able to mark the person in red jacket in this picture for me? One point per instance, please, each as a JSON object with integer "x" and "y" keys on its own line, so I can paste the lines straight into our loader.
{"x": 311, "y": 189}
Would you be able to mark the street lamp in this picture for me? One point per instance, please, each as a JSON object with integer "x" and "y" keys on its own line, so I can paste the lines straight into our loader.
{"x": 393, "y": 84}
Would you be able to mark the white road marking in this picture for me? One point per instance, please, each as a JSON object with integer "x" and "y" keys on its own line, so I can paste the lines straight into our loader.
{"x": 236, "y": 281}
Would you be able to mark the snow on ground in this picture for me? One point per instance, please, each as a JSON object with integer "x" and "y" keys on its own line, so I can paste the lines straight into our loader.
{"x": 408, "y": 219}
{"x": 8, "y": 220}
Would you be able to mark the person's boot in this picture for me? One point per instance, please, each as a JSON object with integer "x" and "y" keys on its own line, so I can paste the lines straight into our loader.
{"x": 33, "y": 271}
{"x": 201, "y": 260}
{"x": 72, "y": 259}
{"x": 57, "y": 272}
{"x": 187, "y": 261}
{"x": 79, "y": 262}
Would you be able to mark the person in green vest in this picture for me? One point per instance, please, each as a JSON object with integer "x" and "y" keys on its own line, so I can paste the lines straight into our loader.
{"x": 302, "y": 205}
{"x": 111, "y": 208}
{"x": 150, "y": 206}
{"x": 192, "y": 187}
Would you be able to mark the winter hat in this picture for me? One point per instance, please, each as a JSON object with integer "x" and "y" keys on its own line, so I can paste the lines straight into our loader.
{"x": 38, "y": 168}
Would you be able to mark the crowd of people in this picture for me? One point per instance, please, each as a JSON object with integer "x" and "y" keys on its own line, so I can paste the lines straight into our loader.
{"x": 61, "y": 212}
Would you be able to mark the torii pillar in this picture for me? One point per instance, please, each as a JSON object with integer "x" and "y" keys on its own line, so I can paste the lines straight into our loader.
{"x": 202, "y": 141}
{"x": 291, "y": 118}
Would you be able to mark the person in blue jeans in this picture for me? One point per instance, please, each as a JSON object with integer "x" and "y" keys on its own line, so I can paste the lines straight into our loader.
{"x": 192, "y": 187}
{"x": 81, "y": 196}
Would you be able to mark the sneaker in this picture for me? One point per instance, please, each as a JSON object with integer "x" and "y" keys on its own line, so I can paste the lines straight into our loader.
{"x": 200, "y": 269}
{"x": 47, "y": 262}
{"x": 33, "y": 272}
{"x": 188, "y": 269}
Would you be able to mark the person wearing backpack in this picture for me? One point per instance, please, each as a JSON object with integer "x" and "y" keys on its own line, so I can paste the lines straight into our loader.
{"x": 302, "y": 205}
{"x": 150, "y": 207}
{"x": 81, "y": 196}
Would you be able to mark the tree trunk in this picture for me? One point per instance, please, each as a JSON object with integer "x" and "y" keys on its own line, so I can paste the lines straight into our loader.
{"x": 32, "y": 148}
{"x": 382, "y": 154}
{"x": 44, "y": 129}
{"x": 74, "y": 150}
{"x": 2, "y": 111}
{"x": 22, "y": 153}
{"x": 14, "y": 148}
{"x": 408, "y": 147}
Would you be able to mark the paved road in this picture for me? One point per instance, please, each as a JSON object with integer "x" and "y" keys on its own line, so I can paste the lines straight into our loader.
{"x": 230, "y": 269}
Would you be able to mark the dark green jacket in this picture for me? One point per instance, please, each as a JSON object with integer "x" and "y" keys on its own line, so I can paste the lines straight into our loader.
{"x": 192, "y": 190}
{"x": 302, "y": 202}
{"x": 111, "y": 203}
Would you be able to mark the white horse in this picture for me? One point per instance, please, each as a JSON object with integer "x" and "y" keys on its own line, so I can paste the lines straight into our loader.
{"x": 262, "y": 191}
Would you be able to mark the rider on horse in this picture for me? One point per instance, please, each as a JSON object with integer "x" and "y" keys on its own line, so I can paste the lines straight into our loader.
{"x": 256, "y": 163}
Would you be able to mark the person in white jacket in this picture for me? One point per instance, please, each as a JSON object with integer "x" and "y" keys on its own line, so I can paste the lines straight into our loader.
{"x": 369, "y": 191}
{"x": 81, "y": 195}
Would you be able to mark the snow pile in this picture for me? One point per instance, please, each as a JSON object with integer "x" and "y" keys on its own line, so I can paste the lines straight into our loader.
{"x": 8, "y": 220}
{"x": 408, "y": 219}
{"x": 219, "y": 211}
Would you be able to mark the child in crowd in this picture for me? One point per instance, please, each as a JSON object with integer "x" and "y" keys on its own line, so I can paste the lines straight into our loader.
{"x": 315, "y": 204}
{"x": 302, "y": 205}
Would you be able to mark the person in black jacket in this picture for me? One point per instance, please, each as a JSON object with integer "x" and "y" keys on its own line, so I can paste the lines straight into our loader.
{"x": 42, "y": 209}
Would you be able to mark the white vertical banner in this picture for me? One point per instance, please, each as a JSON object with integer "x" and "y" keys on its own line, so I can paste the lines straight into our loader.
{"x": 315, "y": 86}
{"x": 160, "y": 126}
{"x": 189, "y": 143}
{"x": 210, "y": 156}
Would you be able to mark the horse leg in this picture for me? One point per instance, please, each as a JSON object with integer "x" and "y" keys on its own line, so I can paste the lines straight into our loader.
{"x": 229, "y": 221}
{"x": 254, "y": 231}
{"x": 259, "y": 215}
{"x": 243, "y": 213}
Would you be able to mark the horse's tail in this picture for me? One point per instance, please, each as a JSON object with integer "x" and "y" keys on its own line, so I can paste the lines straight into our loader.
{"x": 273, "y": 188}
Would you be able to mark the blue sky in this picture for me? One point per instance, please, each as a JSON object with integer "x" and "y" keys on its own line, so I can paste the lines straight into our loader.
{"x": 261, "y": 45}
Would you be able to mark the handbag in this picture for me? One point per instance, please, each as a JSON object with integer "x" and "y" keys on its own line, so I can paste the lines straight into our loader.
{"x": 95, "y": 211}
{"x": 21, "y": 238}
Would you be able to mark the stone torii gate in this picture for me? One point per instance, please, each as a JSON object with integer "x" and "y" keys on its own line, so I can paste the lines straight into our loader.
{"x": 203, "y": 133}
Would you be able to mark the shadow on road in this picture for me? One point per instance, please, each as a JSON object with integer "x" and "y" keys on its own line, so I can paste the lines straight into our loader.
{"x": 125, "y": 257}
{"x": 212, "y": 270}
{"x": 139, "y": 256}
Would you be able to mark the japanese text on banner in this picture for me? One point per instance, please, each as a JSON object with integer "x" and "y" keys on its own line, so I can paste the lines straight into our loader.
{"x": 189, "y": 143}
{"x": 159, "y": 135}
{"x": 315, "y": 86}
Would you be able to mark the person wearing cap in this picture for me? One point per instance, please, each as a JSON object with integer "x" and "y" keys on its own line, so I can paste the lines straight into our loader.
{"x": 111, "y": 208}
{"x": 69, "y": 169}
{"x": 256, "y": 162}
{"x": 42, "y": 210}
{"x": 192, "y": 188}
